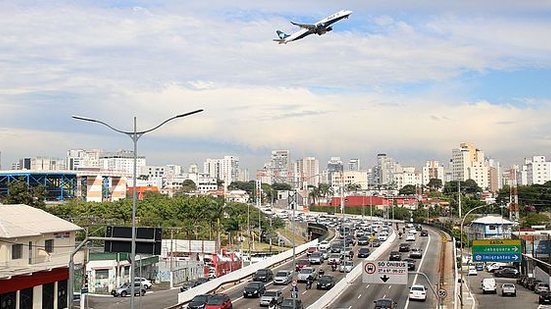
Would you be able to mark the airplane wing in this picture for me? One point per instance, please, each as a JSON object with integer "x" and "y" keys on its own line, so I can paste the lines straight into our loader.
{"x": 305, "y": 26}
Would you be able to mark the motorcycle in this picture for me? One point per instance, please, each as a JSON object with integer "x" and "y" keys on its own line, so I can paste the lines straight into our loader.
{"x": 309, "y": 283}
{"x": 333, "y": 267}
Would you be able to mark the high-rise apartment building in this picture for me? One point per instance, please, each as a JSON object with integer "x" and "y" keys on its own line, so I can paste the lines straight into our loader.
{"x": 538, "y": 171}
{"x": 383, "y": 173}
{"x": 226, "y": 169}
{"x": 40, "y": 164}
{"x": 468, "y": 163}
{"x": 307, "y": 172}
{"x": 432, "y": 170}
{"x": 495, "y": 175}
{"x": 83, "y": 158}
{"x": 279, "y": 166}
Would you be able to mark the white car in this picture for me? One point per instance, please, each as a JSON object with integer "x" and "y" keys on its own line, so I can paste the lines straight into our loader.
{"x": 382, "y": 237}
{"x": 305, "y": 272}
{"x": 495, "y": 266}
{"x": 146, "y": 283}
{"x": 324, "y": 245}
{"x": 410, "y": 237}
{"x": 418, "y": 292}
{"x": 472, "y": 271}
{"x": 283, "y": 277}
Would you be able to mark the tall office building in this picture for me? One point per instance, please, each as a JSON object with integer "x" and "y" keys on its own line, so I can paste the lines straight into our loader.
{"x": 83, "y": 158}
{"x": 40, "y": 164}
{"x": 225, "y": 169}
{"x": 280, "y": 166}
{"x": 383, "y": 173}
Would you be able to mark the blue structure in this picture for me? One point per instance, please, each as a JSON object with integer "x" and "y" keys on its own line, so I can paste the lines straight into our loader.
{"x": 59, "y": 185}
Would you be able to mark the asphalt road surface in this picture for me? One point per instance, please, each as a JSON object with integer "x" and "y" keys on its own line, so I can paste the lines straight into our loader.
{"x": 361, "y": 295}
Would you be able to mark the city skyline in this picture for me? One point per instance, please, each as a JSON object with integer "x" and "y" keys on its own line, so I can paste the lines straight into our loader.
{"x": 409, "y": 80}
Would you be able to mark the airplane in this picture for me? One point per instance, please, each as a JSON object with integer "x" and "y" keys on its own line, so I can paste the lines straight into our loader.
{"x": 321, "y": 27}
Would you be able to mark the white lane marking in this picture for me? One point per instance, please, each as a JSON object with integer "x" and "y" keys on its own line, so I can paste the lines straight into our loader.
{"x": 384, "y": 296}
{"x": 303, "y": 292}
{"x": 360, "y": 295}
{"x": 418, "y": 270}
{"x": 389, "y": 287}
{"x": 367, "y": 286}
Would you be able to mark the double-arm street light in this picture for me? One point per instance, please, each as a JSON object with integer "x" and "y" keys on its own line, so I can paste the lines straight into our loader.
{"x": 461, "y": 240}
{"x": 134, "y": 136}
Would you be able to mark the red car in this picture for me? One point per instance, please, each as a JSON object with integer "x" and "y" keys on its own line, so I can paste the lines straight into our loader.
{"x": 219, "y": 301}
{"x": 302, "y": 263}
{"x": 311, "y": 250}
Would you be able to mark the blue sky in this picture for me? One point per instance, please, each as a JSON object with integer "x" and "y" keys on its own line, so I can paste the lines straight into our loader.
{"x": 409, "y": 78}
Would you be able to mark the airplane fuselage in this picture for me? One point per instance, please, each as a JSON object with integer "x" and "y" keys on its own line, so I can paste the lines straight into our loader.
{"x": 321, "y": 27}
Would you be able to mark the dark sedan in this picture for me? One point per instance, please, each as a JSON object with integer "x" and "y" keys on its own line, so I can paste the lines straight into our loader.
{"x": 411, "y": 263}
{"x": 326, "y": 282}
{"x": 199, "y": 301}
{"x": 395, "y": 256}
{"x": 254, "y": 289}
{"x": 507, "y": 273}
{"x": 363, "y": 252}
{"x": 404, "y": 247}
{"x": 545, "y": 298}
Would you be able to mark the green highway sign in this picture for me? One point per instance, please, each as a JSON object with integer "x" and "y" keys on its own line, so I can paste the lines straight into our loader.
{"x": 497, "y": 250}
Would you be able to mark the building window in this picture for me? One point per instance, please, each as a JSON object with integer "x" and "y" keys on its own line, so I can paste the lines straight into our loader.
{"x": 102, "y": 274}
{"x": 16, "y": 251}
{"x": 49, "y": 245}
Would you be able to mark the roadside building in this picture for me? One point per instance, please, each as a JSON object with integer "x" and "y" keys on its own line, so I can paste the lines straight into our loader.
{"x": 35, "y": 247}
{"x": 489, "y": 227}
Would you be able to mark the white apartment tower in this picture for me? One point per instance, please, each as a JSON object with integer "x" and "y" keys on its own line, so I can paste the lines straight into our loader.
{"x": 83, "y": 158}
{"x": 226, "y": 169}
{"x": 280, "y": 166}
{"x": 468, "y": 163}
{"x": 121, "y": 161}
{"x": 432, "y": 170}
{"x": 354, "y": 164}
{"x": 538, "y": 171}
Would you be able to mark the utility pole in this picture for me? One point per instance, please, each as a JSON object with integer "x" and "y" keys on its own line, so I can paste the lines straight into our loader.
{"x": 459, "y": 197}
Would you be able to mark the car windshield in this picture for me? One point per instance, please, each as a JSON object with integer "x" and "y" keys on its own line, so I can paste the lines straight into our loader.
{"x": 288, "y": 303}
{"x": 216, "y": 300}
{"x": 270, "y": 293}
{"x": 326, "y": 278}
{"x": 200, "y": 298}
{"x": 508, "y": 285}
{"x": 417, "y": 288}
{"x": 255, "y": 285}
{"x": 306, "y": 271}
{"x": 281, "y": 274}
{"x": 348, "y": 263}
{"x": 383, "y": 302}
{"x": 261, "y": 272}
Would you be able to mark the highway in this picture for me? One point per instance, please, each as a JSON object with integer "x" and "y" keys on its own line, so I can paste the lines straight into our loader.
{"x": 360, "y": 295}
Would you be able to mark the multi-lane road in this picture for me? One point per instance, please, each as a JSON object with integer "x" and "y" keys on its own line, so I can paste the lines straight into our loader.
{"x": 361, "y": 295}
{"x": 358, "y": 295}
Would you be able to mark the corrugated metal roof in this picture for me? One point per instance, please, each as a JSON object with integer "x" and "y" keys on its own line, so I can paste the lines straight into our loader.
{"x": 22, "y": 220}
{"x": 492, "y": 220}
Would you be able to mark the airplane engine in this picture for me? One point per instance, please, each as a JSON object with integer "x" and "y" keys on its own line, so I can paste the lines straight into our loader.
{"x": 329, "y": 29}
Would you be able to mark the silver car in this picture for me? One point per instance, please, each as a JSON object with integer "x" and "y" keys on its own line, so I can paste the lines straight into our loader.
{"x": 271, "y": 295}
{"x": 283, "y": 277}
{"x": 305, "y": 273}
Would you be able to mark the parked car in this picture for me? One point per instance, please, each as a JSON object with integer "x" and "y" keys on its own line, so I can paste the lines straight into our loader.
{"x": 125, "y": 289}
{"x": 269, "y": 296}
{"x": 363, "y": 252}
{"x": 507, "y": 273}
{"x": 415, "y": 253}
{"x": 404, "y": 247}
{"x": 316, "y": 258}
{"x": 305, "y": 272}
{"x": 199, "y": 301}
{"x": 346, "y": 266}
{"x": 395, "y": 256}
{"x": 385, "y": 303}
{"x": 541, "y": 287}
{"x": 219, "y": 301}
{"x": 283, "y": 277}
{"x": 264, "y": 275}
{"x": 291, "y": 303}
{"x": 545, "y": 298}
{"x": 254, "y": 289}
{"x": 145, "y": 282}
{"x": 508, "y": 289}
{"x": 326, "y": 282}
{"x": 418, "y": 292}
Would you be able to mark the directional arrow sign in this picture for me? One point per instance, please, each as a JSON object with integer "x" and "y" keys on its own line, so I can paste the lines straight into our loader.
{"x": 385, "y": 272}
{"x": 497, "y": 250}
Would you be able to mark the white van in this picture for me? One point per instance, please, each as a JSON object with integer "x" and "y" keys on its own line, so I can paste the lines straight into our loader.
{"x": 489, "y": 285}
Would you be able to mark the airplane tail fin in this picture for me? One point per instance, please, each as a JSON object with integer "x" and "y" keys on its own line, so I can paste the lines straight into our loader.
{"x": 281, "y": 34}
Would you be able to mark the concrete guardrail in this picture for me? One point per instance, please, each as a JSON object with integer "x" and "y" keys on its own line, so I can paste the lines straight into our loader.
{"x": 342, "y": 285}
{"x": 235, "y": 276}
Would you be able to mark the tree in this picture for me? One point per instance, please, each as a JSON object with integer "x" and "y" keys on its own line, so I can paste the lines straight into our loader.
{"x": 189, "y": 186}
{"x": 535, "y": 219}
{"x": 434, "y": 184}
{"x": 408, "y": 190}
{"x": 470, "y": 187}
{"x": 20, "y": 193}
{"x": 353, "y": 187}
{"x": 281, "y": 186}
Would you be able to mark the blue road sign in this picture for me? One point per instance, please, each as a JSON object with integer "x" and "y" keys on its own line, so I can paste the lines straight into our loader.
{"x": 497, "y": 257}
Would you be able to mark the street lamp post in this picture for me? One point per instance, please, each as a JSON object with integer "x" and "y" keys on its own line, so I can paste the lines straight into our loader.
{"x": 461, "y": 240}
{"x": 134, "y": 136}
